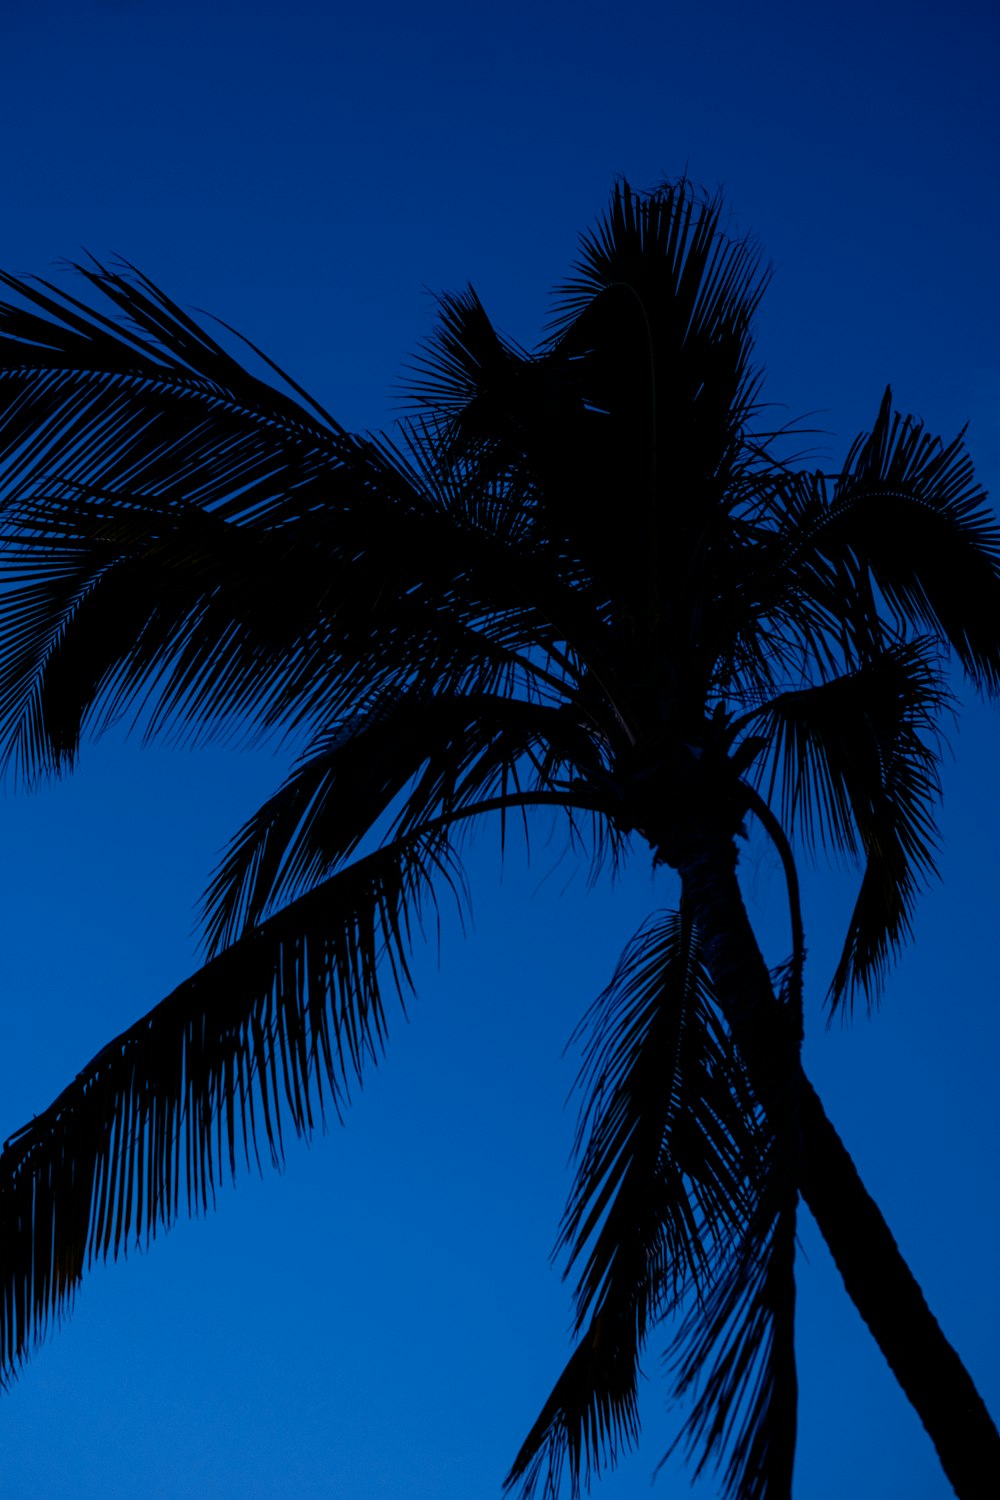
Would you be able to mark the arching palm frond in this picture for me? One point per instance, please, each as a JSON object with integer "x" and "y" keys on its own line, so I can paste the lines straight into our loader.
{"x": 270, "y": 1033}
{"x": 668, "y": 1143}
{"x": 448, "y": 752}
{"x": 854, "y": 764}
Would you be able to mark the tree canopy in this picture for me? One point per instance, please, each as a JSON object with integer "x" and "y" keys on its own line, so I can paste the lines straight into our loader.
{"x": 589, "y": 579}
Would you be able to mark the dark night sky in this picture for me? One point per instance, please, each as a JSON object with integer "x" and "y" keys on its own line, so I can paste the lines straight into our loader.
{"x": 382, "y": 1321}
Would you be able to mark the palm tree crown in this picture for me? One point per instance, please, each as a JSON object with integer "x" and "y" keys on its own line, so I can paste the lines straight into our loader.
{"x": 582, "y": 579}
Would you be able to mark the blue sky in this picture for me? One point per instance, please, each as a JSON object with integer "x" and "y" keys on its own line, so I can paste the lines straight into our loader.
{"x": 382, "y": 1320}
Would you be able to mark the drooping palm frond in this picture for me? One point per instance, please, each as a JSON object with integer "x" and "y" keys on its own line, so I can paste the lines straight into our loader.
{"x": 267, "y": 1035}
{"x": 668, "y": 1142}
{"x": 664, "y": 1099}
{"x": 735, "y": 1354}
{"x": 590, "y": 1419}
{"x": 854, "y": 764}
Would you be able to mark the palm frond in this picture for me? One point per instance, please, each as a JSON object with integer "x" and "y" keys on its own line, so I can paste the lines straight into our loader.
{"x": 149, "y": 406}
{"x": 463, "y": 362}
{"x": 113, "y": 602}
{"x": 269, "y": 1034}
{"x": 656, "y": 330}
{"x": 665, "y": 1104}
{"x": 146, "y": 477}
{"x": 854, "y": 763}
{"x": 667, "y": 1141}
{"x": 141, "y": 333}
{"x": 666, "y": 247}
{"x": 640, "y": 394}
{"x": 780, "y": 616}
{"x": 571, "y": 569}
{"x": 907, "y": 516}
{"x": 122, "y": 604}
{"x": 589, "y": 1420}
{"x": 133, "y": 455}
{"x": 507, "y": 443}
{"x": 660, "y": 317}
{"x": 447, "y": 751}
{"x": 735, "y": 1351}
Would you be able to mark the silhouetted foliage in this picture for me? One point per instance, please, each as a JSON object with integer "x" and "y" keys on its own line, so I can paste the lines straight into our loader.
{"x": 583, "y": 579}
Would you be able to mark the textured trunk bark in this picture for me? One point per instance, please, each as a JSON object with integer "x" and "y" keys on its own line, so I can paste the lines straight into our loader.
{"x": 876, "y": 1276}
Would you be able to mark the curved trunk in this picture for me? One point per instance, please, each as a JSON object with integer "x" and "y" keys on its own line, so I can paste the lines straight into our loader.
{"x": 876, "y": 1276}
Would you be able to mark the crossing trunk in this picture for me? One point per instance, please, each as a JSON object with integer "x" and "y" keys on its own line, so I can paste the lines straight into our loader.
{"x": 875, "y": 1274}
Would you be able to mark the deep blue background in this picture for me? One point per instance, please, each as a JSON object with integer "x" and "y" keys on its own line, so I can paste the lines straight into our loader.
{"x": 382, "y": 1321}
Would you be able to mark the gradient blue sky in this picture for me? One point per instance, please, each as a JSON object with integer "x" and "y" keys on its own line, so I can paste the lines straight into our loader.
{"x": 382, "y": 1320}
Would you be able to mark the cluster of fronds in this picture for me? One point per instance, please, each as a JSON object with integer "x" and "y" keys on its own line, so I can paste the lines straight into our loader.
{"x": 679, "y": 1201}
{"x": 576, "y": 574}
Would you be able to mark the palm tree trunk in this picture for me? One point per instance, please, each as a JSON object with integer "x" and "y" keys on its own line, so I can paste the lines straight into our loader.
{"x": 876, "y": 1276}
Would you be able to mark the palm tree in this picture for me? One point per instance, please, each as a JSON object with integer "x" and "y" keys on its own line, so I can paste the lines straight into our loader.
{"x": 580, "y": 580}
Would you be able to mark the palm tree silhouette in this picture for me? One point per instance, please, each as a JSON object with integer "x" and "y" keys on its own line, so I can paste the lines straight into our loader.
{"x": 582, "y": 580}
